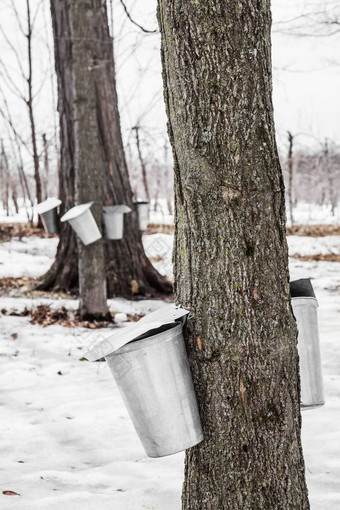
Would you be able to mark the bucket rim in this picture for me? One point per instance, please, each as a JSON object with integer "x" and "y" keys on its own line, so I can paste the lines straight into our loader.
{"x": 299, "y": 301}
{"x": 314, "y": 405}
{"x": 173, "y": 330}
{"x": 116, "y": 209}
{"x": 47, "y": 205}
{"x": 121, "y": 336}
{"x": 76, "y": 211}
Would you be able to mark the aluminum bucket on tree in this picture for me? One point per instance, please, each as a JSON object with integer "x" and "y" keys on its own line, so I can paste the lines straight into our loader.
{"x": 143, "y": 214}
{"x": 150, "y": 365}
{"x": 305, "y": 306}
{"x": 83, "y": 223}
{"x": 114, "y": 220}
{"x": 48, "y": 211}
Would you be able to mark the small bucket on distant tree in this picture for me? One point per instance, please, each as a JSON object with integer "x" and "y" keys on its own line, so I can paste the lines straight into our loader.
{"x": 304, "y": 305}
{"x": 143, "y": 214}
{"x": 48, "y": 211}
{"x": 149, "y": 362}
{"x": 113, "y": 216}
{"x": 83, "y": 223}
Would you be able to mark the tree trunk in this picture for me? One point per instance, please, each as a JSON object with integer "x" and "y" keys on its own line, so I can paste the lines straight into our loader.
{"x": 330, "y": 178}
{"x": 231, "y": 260}
{"x": 129, "y": 272}
{"x": 46, "y": 166}
{"x": 290, "y": 176}
{"x": 88, "y": 160}
{"x": 63, "y": 274}
{"x": 30, "y": 109}
{"x": 142, "y": 164}
{"x": 6, "y": 178}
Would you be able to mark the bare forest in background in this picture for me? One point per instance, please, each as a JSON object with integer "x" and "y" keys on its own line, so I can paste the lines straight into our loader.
{"x": 311, "y": 177}
{"x": 29, "y": 142}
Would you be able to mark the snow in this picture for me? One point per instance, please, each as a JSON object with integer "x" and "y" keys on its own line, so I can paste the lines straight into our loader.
{"x": 30, "y": 256}
{"x": 67, "y": 441}
{"x": 306, "y": 213}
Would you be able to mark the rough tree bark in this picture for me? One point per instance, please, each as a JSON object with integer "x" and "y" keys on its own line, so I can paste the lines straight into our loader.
{"x": 129, "y": 272}
{"x": 63, "y": 274}
{"x": 88, "y": 160}
{"x": 230, "y": 255}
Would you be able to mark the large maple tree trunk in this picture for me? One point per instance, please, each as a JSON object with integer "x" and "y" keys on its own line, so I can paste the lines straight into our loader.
{"x": 129, "y": 272}
{"x": 231, "y": 260}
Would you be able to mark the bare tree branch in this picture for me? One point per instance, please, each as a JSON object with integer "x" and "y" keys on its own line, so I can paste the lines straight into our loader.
{"x": 134, "y": 22}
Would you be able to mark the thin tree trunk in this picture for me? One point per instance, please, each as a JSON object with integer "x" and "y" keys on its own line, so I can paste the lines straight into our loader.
{"x": 15, "y": 194}
{"x": 6, "y": 178}
{"x": 25, "y": 188}
{"x": 24, "y": 194}
{"x": 46, "y": 166}
{"x": 142, "y": 164}
{"x": 230, "y": 255}
{"x": 330, "y": 179}
{"x": 129, "y": 272}
{"x": 30, "y": 109}
{"x": 290, "y": 176}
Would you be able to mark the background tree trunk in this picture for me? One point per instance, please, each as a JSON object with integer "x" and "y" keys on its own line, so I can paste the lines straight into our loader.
{"x": 88, "y": 161}
{"x": 129, "y": 272}
{"x": 290, "y": 176}
{"x": 231, "y": 260}
{"x": 30, "y": 109}
{"x": 46, "y": 167}
{"x": 63, "y": 274}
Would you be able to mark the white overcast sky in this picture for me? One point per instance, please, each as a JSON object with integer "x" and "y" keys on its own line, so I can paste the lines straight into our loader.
{"x": 306, "y": 76}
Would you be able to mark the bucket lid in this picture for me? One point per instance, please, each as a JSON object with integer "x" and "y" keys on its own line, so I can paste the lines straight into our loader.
{"x": 301, "y": 288}
{"x": 47, "y": 205}
{"x": 116, "y": 209}
{"x": 76, "y": 211}
{"x": 122, "y": 336}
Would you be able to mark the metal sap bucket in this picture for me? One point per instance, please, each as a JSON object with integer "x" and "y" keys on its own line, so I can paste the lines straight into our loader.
{"x": 114, "y": 220}
{"x": 143, "y": 214}
{"x": 153, "y": 376}
{"x": 83, "y": 223}
{"x": 48, "y": 211}
{"x": 304, "y": 305}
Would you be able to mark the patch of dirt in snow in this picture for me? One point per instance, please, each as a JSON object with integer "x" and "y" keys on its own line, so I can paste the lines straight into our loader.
{"x": 327, "y": 257}
{"x": 20, "y": 230}
{"x": 45, "y": 316}
{"x": 159, "y": 228}
{"x": 313, "y": 230}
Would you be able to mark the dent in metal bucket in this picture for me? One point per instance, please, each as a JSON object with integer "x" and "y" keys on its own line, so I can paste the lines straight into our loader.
{"x": 114, "y": 220}
{"x": 83, "y": 223}
{"x": 305, "y": 312}
{"x": 48, "y": 211}
{"x": 154, "y": 379}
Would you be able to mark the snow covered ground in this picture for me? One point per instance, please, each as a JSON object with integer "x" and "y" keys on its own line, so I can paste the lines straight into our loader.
{"x": 66, "y": 439}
